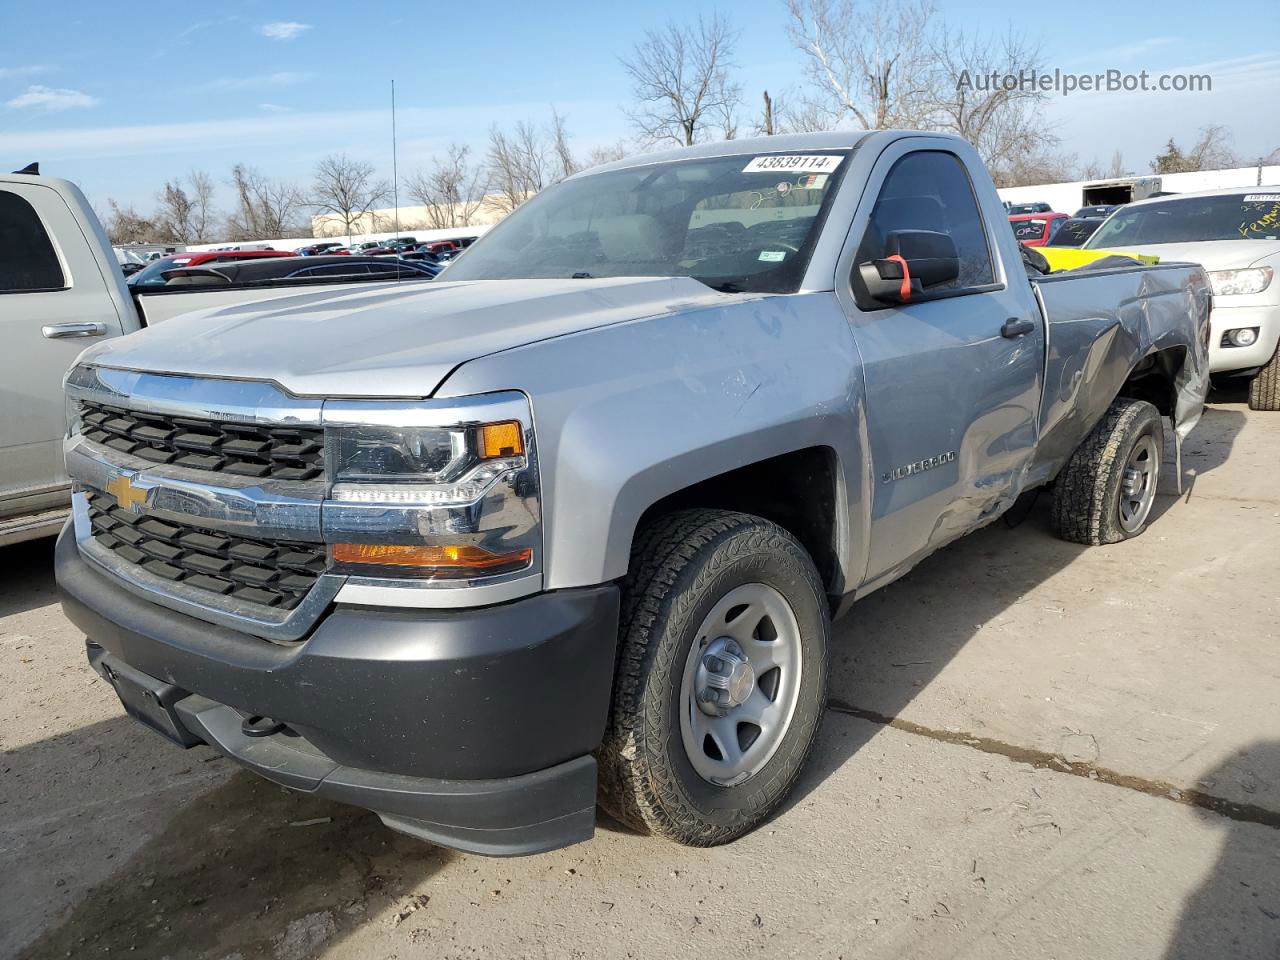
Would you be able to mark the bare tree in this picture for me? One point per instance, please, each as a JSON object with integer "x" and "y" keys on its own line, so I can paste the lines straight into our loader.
{"x": 203, "y": 215}
{"x": 681, "y": 80}
{"x": 518, "y": 163}
{"x": 265, "y": 208}
{"x": 1042, "y": 162}
{"x": 452, "y": 190}
{"x": 607, "y": 154}
{"x": 1211, "y": 151}
{"x": 346, "y": 189}
{"x": 867, "y": 61}
{"x": 173, "y": 216}
{"x": 1096, "y": 171}
{"x": 126, "y": 225}
{"x": 1002, "y": 120}
{"x": 804, "y": 115}
{"x": 767, "y": 126}
{"x": 566, "y": 165}
{"x": 185, "y": 213}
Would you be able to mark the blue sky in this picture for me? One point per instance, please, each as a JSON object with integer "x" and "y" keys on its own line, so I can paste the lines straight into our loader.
{"x": 121, "y": 97}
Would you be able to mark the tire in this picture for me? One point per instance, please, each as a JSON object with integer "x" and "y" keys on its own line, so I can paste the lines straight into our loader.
{"x": 1092, "y": 504}
{"x": 1264, "y": 388}
{"x": 685, "y": 568}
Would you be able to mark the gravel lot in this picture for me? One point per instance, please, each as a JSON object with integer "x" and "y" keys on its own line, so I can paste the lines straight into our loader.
{"x": 1035, "y": 750}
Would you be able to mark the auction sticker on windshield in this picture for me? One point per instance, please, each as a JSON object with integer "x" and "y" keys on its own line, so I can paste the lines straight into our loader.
{"x": 792, "y": 164}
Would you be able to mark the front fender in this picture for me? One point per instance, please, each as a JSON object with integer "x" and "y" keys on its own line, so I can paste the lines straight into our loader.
{"x": 628, "y": 414}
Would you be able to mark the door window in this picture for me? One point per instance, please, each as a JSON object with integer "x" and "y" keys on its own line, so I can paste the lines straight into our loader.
{"x": 929, "y": 190}
{"x": 27, "y": 259}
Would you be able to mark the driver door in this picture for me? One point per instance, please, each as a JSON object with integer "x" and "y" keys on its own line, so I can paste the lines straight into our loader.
{"x": 953, "y": 376}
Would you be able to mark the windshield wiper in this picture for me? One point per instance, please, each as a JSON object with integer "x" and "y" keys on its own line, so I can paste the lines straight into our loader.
{"x": 728, "y": 286}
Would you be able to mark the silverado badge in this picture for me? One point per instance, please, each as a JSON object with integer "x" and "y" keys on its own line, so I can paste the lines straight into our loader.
{"x": 920, "y": 466}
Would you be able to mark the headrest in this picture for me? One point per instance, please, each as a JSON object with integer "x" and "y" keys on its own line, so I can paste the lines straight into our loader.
{"x": 636, "y": 237}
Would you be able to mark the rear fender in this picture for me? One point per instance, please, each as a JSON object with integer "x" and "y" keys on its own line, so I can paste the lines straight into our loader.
{"x": 1103, "y": 326}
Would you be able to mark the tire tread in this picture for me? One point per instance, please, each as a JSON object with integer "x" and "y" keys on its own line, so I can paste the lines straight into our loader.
{"x": 1264, "y": 388}
{"x": 664, "y": 580}
{"x": 1082, "y": 499}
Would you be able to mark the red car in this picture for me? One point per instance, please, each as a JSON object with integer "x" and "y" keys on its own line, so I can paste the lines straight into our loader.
{"x": 438, "y": 246}
{"x": 1036, "y": 229}
{"x": 151, "y": 276}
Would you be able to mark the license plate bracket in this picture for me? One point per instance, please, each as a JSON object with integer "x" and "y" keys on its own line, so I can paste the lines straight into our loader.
{"x": 150, "y": 701}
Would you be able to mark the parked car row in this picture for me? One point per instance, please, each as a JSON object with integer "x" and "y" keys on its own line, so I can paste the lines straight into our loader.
{"x": 1038, "y": 225}
{"x": 408, "y": 247}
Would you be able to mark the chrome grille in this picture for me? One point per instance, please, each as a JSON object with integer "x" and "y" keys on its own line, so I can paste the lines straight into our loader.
{"x": 271, "y": 574}
{"x": 243, "y": 449}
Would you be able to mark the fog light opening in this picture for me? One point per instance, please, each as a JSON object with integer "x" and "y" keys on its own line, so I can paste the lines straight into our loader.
{"x": 1241, "y": 337}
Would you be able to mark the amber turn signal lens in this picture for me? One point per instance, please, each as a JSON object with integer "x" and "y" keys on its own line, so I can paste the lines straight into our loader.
{"x": 501, "y": 440}
{"x": 458, "y": 558}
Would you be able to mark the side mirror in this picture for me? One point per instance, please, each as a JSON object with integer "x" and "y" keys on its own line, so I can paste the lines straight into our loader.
{"x": 914, "y": 261}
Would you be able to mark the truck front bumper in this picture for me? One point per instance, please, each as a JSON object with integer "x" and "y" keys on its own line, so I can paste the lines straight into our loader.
{"x": 473, "y": 729}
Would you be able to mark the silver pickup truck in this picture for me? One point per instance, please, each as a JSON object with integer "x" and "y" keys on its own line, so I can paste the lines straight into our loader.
{"x": 60, "y": 288}
{"x": 570, "y": 524}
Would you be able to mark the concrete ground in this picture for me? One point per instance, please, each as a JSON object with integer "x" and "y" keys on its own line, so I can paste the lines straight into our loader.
{"x": 1035, "y": 750}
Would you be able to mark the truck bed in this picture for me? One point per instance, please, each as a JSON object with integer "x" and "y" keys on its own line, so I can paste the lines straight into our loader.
{"x": 1101, "y": 323}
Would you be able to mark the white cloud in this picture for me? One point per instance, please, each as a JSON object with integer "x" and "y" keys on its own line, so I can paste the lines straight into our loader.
{"x": 28, "y": 71}
{"x": 283, "y": 78}
{"x": 323, "y": 132}
{"x": 1130, "y": 50}
{"x": 283, "y": 29}
{"x": 272, "y": 108}
{"x": 51, "y": 99}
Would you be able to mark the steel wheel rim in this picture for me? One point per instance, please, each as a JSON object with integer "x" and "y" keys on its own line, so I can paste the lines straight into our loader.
{"x": 1138, "y": 484}
{"x": 731, "y": 740}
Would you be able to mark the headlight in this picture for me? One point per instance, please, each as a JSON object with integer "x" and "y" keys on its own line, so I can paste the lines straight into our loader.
{"x": 431, "y": 465}
{"x": 1232, "y": 282}
{"x": 432, "y": 492}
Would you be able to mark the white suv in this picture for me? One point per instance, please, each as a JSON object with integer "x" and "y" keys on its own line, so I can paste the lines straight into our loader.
{"x": 1235, "y": 234}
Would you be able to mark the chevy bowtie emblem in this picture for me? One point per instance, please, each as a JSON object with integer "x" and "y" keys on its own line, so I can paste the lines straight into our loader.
{"x": 126, "y": 494}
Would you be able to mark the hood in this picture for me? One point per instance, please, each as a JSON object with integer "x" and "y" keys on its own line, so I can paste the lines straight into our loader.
{"x": 390, "y": 341}
{"x": 1211, "y": 254}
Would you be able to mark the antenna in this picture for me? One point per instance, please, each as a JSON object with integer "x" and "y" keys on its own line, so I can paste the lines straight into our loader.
{"x": 395, "y": 171}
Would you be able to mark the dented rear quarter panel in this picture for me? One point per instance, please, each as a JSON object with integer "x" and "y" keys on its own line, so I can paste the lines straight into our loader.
{"x": 1101, "y": 325}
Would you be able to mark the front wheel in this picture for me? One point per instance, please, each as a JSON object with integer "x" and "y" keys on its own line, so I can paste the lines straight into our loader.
{"x": 1106, "y": 491}
{"x": 721, "y": 680}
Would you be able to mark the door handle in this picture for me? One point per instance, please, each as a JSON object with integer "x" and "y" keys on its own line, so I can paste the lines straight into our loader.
{"x": 1014, "y": 327}
{"x": 63, "y": 331}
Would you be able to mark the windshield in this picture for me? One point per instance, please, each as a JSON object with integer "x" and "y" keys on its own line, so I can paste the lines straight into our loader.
{"x": 1029, "y": 229}
{"x": 738, "y": 223}
{"x": 149, "y": 276}
{"x": 1247, "y": 216}
{"x": 1073, "y": 233}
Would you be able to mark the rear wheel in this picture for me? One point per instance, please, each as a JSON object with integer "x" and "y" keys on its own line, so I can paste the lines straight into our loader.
{"x": 1106, "y": 491}
{"x": 1264, "y": 388}
{"x": 721, "y": 680}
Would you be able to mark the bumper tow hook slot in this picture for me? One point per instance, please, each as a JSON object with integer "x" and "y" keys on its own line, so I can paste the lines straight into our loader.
{"x": 260, "y": 726}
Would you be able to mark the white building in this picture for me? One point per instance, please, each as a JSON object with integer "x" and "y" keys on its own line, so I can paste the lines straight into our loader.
{"x": 1070, "y": 197}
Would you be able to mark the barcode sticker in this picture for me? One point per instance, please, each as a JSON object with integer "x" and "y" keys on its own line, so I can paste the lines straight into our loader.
{"x": 806, "y": 163}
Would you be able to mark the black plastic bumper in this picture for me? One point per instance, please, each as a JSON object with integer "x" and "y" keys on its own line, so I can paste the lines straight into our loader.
{"x": 472, "y": 729}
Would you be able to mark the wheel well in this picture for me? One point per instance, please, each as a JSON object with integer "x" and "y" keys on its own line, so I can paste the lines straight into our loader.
{"x": 797, "y": 491}
{"x": 1154, "y": 379}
